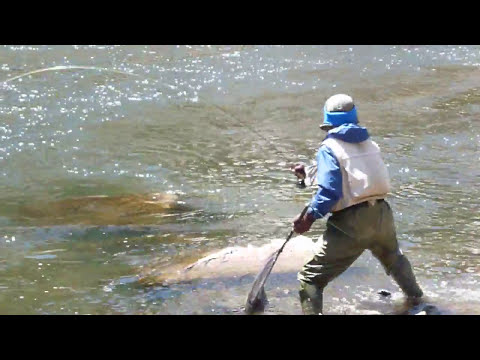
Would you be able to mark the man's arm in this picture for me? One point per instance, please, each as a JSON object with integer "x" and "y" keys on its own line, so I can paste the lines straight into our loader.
{"x": 329, "y": 179}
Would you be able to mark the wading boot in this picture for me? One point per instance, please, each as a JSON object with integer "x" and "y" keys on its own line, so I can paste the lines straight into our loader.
{"x": 311, "y": 299}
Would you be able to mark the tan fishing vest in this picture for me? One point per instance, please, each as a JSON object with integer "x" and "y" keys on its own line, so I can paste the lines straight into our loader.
{"x": 364, "y": 174}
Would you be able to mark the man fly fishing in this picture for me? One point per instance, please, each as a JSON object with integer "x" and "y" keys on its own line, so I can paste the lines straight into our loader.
{"x": 352, "y": 184}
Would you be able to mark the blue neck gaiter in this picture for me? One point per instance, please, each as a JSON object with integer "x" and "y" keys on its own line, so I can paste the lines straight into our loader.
{"x": 340, "y": 118}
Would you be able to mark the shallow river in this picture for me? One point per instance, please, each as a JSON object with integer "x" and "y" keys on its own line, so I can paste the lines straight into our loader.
{"x": 123, "y": 158}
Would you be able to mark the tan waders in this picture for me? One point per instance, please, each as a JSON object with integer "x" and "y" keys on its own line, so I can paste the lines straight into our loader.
{"x": 349, "y": 232}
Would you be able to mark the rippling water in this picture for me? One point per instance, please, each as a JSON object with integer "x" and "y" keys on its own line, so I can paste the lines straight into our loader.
{"x": 154, "y": 155}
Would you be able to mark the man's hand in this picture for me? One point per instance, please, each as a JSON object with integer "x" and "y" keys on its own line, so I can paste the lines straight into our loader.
{"x": 303, "y": 223}
{"x": 299, "y": 171}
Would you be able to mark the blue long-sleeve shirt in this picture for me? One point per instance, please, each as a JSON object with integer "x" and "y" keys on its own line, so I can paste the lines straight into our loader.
{"x": 329, "y": 174}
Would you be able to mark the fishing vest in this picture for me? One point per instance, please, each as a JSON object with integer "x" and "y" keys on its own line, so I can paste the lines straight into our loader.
{"x": 364, "y": 174}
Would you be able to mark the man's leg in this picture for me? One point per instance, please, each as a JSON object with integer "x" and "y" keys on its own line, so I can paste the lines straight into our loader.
{"x": 311, "y": 299}
{"x": 336, "y": 252}
{"x": 385, "y": 248}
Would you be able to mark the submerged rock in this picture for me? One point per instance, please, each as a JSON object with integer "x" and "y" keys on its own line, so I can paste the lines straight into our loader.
{"x": 384, "y": 292}
{"x": 101, "y": 209}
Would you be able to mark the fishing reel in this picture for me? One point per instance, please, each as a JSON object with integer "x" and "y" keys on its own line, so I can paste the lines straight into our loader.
{"x": 301, "y": 184}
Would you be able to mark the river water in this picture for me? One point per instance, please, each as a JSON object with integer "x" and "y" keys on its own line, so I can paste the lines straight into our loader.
{"x": 210, "y": 132}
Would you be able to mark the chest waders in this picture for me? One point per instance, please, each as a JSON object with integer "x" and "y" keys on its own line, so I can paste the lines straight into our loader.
{"x": 351, "y": 231}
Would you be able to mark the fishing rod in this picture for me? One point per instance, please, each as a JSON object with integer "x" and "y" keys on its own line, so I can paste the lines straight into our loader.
{"x": 300, "y": 183}
{"x": 81, "y": 67}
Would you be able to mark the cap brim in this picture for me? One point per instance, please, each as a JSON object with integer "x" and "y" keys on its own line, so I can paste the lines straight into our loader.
{"x": 326, "y": 127}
